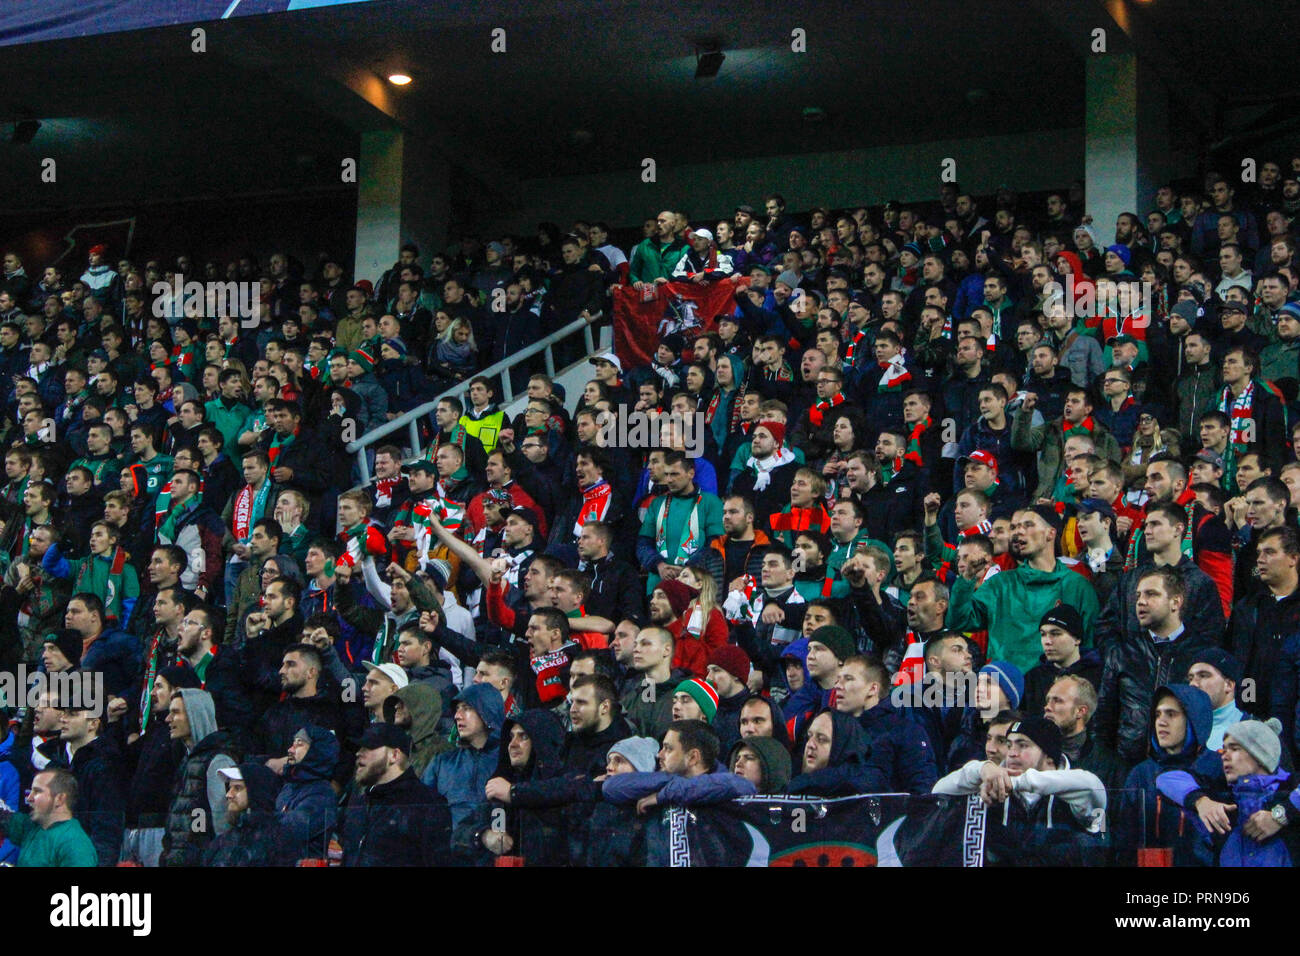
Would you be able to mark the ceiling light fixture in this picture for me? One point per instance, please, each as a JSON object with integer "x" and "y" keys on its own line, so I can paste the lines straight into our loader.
{"x": 708, "y": 58}
{"x": 25, "y": 131}
{"x": 398, "y": 79}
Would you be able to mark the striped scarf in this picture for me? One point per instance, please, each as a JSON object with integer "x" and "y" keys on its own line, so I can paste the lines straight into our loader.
{"x": 690, "y": 537}
{"x": 950, "y": 550}
{"x": 817, "y": 414}
{"x": 1239, "y": 412}
{"x": 796, "y": 520}
{"x": 1084, "y": 428}
{"x": 739, "y": 605}
{"x": 914, "y": 442}
{"x": 895, "y": 375}
{"x": 850, "y": 353}
{"x": 596, "y": 499}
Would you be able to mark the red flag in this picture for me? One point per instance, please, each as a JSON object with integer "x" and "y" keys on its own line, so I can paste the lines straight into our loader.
{"x": 685, "y": 307}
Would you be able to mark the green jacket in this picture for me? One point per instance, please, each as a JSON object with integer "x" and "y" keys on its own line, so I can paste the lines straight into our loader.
{"x": 1047, "y": 440}
{"x": 63, "y": 844}
{"x": 1197, "y": 392}
{"x": 842, "y": 552}
{"x": 1010, "y": 605}
{"x": 228, "y": 421}
{"x": 1280, "y": 360}
{"x": 652, "y": 259}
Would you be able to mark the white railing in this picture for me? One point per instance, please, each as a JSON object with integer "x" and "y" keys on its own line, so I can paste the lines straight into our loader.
{"x": 501, "y": 370}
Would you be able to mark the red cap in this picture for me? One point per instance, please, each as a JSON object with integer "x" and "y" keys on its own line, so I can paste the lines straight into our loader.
{"x": 983, "y": 457}
{"x": 733, "y": 660}
{"x": 776, "y": 429}
{"x": 99, "y": 250}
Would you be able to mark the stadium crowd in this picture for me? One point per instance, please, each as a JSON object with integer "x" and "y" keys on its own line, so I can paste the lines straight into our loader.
{"x": 983, "y": 497}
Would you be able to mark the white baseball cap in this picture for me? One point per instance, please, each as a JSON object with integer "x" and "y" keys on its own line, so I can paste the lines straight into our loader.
{"x": 392, "y": 671}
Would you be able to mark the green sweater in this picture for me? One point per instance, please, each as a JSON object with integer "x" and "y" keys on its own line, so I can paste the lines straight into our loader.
{"x": 1010, "y": 605}
{"x": 63, "y": 844}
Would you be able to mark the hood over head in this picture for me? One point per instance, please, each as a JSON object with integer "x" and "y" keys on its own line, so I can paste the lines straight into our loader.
{"x": 1200, "y": 720}
{"x": 772, "y": 756}
{"x": 424, "y": 704}
{"x": 321, "y": 760}
{"x": 547, "y": 735}
{"x": 487, "y": 703}
{"x": 201, "y": 712}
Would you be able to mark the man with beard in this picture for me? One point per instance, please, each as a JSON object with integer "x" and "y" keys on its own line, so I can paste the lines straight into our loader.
{"x": 597, "y": 726}
{"x": 392, "y": 819}
{"x": 769, "y": 472}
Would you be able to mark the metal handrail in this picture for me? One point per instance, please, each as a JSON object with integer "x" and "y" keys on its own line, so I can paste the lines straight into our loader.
{"x": 411, "y": 419}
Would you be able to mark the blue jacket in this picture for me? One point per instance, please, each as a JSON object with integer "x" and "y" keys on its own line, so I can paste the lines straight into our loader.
{"x": 902, "y": 746}
{"x": 1250, "y": 793}
{"x": 853, "y": 766}
{"x": 11, "y": 794}
{"x": 117, "y": 654}
{"x": 717, "y": 787}
{"x": 306, "y": 806}
{"x": 1145, "y": 817}
{"x": 460, "y": 775}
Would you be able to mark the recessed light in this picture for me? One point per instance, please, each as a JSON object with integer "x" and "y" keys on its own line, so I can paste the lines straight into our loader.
{"x": 398, "y": 79}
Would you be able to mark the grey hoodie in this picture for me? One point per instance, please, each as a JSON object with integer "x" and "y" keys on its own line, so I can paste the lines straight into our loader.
{"x": 202, "y": 714}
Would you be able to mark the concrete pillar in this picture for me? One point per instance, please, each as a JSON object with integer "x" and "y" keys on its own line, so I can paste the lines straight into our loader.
{"x": 403, "y": 191}
{"x": 1126, "y": 138}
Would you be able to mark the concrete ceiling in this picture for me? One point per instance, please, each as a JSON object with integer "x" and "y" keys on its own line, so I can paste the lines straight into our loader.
{"x": 277, "y": 101}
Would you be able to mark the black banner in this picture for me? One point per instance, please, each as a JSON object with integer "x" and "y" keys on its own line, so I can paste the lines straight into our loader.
{"x": 875, "y": 830}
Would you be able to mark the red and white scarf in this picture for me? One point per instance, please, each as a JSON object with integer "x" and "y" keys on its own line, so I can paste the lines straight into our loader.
{"x": 596, "y": 499}
{"x": 895, "y": 377}
{"x": 1240, "y": 414}
{"x": 817, "y": 414}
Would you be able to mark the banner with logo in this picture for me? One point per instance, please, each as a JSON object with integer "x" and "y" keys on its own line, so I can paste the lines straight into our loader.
{"x": 642, "y": 319}
{"x": 876, "y": 830}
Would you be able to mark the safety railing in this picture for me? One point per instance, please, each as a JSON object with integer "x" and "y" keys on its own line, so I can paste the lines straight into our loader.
{"x": 501, "y": 370}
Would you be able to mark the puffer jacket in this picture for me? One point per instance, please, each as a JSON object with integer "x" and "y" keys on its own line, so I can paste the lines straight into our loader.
{"x": 1250, "y": 794}
{"x": 197, "y": 811}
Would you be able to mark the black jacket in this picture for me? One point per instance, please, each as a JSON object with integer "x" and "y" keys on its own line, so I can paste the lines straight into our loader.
{"x": 101, "y": 796}
{"x": 616, "y": 590}
{"x": 259, "y": 663}
{"x": 1260, "y": 626}
{"x": 1039, "y": 679}
{"x": 854, "y": 767}
{"x": 399, "y": 823}
{"x": 308, "y": 460}
{"x": 896, "y": 506}
{"x": 1132, "y": 669}
{"x": 535, "y": 828}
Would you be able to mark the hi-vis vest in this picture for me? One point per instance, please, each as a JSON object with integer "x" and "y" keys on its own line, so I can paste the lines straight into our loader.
{"x": 485, "y": 429}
